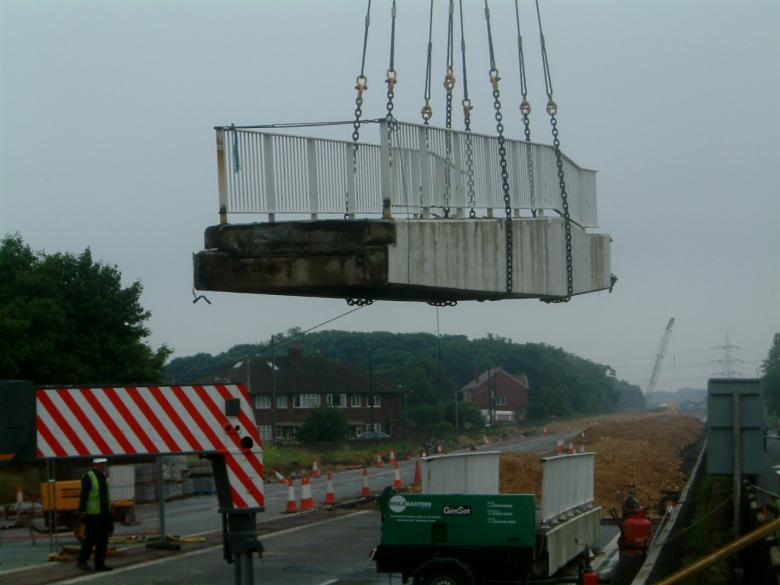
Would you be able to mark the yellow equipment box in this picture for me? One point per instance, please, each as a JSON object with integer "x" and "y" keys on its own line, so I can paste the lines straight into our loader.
{"x": 66, "y": 495}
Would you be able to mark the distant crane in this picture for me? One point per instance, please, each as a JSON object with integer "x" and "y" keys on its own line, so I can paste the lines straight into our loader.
{"x": 659, "y": 358}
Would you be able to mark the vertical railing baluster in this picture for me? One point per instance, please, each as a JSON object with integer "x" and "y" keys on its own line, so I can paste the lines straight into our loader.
{"x": 222, "y": 177}
{"x": 314, "y": 182}
{"x": 385, "y": 170}
{"x": 350, "y": 175}
{"x": 268, "y": 168}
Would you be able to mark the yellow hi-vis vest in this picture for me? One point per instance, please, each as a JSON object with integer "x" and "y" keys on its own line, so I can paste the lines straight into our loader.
{"x": 93, "y": 499}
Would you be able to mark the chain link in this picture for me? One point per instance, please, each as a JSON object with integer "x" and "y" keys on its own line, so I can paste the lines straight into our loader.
{"x": 443, "y": 303}
{"x": 552, "y": 110}
{"x": 509, "y": 239}
{"x": 361, "y": 85}
{"x": 449, "y": 85}
{"x": 359, "y": 302}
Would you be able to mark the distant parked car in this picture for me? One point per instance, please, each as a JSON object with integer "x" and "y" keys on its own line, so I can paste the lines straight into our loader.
{"x": 373, "y": 436}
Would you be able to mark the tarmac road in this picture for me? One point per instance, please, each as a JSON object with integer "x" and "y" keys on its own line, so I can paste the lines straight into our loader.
{"x": 328, "y": 553}
{"x": 198, "y": 515}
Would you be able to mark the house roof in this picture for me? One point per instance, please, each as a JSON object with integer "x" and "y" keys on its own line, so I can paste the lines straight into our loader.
{"x": 520, "y": 378}
{"x": 296, "y": 373}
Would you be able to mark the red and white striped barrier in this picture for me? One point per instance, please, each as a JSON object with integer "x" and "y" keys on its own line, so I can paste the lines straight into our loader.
{"x": 307, "y": 499}
{"x": 110, "y": 421}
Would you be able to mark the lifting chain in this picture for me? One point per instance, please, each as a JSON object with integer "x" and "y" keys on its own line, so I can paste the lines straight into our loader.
{"x": 443, "y": 303}
{"x": 426, "y": 110}
{"x": 552, "y": 111}
{"x": 525, "y": 111}
{"x": 467, "y": 107}
{"x": 361, "y": 85}
{"x": 359, "y": 302}
{"x": 494, "y": 81}
{"x": 392, "y": 76}
{"x": 449, "y": 85}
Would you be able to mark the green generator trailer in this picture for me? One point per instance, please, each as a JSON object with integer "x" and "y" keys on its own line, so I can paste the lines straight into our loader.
{"x": 480, "y": 538}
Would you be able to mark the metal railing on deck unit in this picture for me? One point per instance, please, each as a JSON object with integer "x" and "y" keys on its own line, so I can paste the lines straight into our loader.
{"x": 415, "y": 170}
{"x": 567, "y": 484}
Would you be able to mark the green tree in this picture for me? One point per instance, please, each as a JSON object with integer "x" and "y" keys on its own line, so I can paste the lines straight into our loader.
{"x": 66, "y": 319}
{"x": 469, "y": 415}
{"x": 324, "y": 424}
{"x": 771, "y": 377}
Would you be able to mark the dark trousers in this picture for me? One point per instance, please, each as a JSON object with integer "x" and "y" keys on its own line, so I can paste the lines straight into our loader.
{"x": 97, "y": 532}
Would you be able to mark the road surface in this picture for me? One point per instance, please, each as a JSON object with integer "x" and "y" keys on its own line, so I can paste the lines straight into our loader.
{"x": 198, "y": 515}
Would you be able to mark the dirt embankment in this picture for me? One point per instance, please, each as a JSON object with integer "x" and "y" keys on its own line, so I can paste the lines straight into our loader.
{"x": 642, "y": 454}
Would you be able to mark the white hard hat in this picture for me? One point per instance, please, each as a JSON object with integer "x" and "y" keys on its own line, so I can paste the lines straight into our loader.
{"x": 97, "y": 460}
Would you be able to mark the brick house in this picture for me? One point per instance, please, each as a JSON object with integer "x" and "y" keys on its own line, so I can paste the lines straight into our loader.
{"x": 509, "y": 393}
{"x": 285, "y": 390}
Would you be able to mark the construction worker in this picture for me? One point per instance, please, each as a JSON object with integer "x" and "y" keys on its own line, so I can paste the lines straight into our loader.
{"x": 95, "y": 513}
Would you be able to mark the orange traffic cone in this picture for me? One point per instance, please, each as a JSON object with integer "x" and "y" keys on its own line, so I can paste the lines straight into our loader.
{"x": 378, "y": 462}
{"x": 571, "y": 447}
{"x": 366, "y": 491}
{"x": 560, "y": 446}
{"x": 292, "y": 506}
{"x": 397, "y": 481}
{"x": 417, "y": 475}
{"x": 392, "y": 458}
{"x": 307, "y": 500}
{"x": 439, "y": 449}
{"x": 19, "y": 494}
{"x": 315, "y": 470}
{"x": 582, "y": 448}
{"x": 280, "y": 477}
{"x": 330, "y": 495}
{"x": 545, "y": 431}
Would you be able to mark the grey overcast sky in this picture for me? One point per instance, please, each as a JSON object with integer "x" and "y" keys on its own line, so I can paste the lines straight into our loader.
{"x": 106, "y": 141}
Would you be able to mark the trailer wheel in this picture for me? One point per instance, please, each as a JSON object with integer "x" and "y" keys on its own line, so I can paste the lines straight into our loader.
{"x": 444, "y": 578}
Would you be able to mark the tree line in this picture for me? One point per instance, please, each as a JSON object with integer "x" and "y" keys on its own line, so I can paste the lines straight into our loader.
{"x": 434, "y": 368}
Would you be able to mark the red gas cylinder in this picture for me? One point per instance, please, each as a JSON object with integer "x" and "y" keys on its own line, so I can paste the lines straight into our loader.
{"x": 637, "y": 531}
{"x": 590, "y": 578}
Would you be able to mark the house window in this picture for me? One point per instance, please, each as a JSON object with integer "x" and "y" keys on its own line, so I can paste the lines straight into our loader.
{"x": 265, "y": 432}
{"x": 285, "y": 432}
{"x": 262, "y": 401}
{"x": 500, "y": 400}
{"x": 374, "y": 401}
{"x": 355, "y": 401}
{"x": 306, "y": 401}
{"x": 358, "y": 430}
{"x": 281, "y": 401}
{"x": 375, "y": 427}
{"x": 337, "y": 400}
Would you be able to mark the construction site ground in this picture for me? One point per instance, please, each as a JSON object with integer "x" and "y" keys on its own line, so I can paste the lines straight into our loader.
{"x": 647, "y": 454}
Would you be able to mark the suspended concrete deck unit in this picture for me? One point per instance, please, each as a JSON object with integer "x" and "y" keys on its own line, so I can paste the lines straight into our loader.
{"x": 392, "y": 220}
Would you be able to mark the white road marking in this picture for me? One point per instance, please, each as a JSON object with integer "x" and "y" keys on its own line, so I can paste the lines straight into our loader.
{"x": 86, "y": 578}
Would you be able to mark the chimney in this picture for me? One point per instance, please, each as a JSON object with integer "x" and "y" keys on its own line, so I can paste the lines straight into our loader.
{"x": 294, "y": 355}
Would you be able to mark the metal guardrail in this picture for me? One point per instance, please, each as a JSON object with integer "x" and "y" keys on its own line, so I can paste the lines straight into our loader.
{"x": 567, "y": 484}
{"x": 416, "y": 170}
